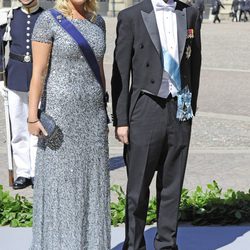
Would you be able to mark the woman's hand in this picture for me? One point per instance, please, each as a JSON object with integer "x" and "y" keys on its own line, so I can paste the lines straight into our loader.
{"x": 37, "y": 129}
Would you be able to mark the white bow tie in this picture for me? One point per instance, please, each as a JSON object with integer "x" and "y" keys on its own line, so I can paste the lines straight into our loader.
{"x": 160, "y": 5}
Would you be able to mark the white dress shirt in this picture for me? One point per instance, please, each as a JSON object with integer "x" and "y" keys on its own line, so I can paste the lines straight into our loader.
{"x": 167, "y": 26}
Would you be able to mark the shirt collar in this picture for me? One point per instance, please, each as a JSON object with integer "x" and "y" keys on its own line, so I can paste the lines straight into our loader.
{"x": 30, "y": 10}
{"x": 161, "y": 5}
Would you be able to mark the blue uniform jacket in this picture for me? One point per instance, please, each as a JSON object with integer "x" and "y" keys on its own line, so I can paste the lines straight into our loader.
{"x": 18, "y": 73}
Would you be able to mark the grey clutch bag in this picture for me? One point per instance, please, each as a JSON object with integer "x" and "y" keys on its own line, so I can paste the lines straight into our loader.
{"x": 55, "y": 136}
{"x": 48, "y": 123}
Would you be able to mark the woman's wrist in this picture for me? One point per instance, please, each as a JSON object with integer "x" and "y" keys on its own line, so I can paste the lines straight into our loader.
{"x": 31, "y": 121}
{"x": 32, "y": 116}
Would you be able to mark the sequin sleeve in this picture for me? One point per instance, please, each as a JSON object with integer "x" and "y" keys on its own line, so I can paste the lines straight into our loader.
{"x": 43, "y": 29}
{"x": 101, "y": 23}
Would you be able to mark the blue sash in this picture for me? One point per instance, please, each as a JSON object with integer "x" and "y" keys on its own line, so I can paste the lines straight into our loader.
{"x": 81, "y": 41}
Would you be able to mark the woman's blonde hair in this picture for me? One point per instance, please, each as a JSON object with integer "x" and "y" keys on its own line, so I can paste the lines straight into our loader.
{"x": 89, "y": 6}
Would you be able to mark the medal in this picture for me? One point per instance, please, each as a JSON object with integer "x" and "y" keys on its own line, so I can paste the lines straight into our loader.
{"x": 190, "y": 33}
{"x": 188, "y": 51}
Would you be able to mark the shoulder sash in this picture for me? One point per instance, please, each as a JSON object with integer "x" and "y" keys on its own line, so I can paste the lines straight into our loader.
{"x": 80, "y": 40}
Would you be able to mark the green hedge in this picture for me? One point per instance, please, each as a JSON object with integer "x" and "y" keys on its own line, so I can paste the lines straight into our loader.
{"x": 15, "y": 211}
{"x": 199, "y": 207}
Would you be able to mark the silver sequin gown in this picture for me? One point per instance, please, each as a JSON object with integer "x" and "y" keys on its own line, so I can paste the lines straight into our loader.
{"x": 71, "y": 193}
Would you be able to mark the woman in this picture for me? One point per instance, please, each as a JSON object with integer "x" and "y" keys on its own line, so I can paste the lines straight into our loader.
{"x": 71, "y": 192}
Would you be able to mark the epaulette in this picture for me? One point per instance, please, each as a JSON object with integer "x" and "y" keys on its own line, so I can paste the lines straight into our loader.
{"x": 9, "y": 13}
{"x": 6, "y": 13}
{"x": 4, "y": 16}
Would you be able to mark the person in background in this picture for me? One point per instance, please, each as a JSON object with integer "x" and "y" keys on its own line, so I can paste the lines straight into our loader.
{"x": 216, "y": 10}
{"x": 199, "y": 4}
{"x": 234, "y": 8}
{"x": 247, "y": 7}
{"x": 16, "y": 32}
{"x": 242, "y": 9}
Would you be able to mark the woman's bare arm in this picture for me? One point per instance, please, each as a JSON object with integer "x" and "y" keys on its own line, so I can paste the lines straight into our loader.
{"x": 41, "y": 54}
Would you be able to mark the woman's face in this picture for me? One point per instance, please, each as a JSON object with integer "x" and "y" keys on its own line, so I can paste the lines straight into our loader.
{"x": 78, "y": 2}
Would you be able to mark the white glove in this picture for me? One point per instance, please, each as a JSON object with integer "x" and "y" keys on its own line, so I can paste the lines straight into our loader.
{"x": 3, "y": 90}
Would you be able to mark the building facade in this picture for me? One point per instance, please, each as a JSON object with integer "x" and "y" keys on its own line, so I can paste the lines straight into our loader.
{"x": 112, "y": 7}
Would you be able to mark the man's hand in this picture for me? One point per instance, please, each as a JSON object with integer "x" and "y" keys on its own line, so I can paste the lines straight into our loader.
{"x": 121, "y": 134}
{"x": 3, "y": 89}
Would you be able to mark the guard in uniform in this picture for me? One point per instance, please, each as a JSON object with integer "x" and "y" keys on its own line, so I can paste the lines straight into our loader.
{"x": 16, "y": 32}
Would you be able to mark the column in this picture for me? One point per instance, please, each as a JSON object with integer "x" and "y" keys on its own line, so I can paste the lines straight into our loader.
{"x": 115, "y": 6}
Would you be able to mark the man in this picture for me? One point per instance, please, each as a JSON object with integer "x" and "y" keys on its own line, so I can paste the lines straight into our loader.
{"x": 247, "y": 7}
{"x": 158, "y": 43}
{"x": 243, "y": 7}
{"x": 199, "y": 4}
{"x": 234, "y": 8}
{"x": 216, "y": 10}
{"x": 16, "y": 31}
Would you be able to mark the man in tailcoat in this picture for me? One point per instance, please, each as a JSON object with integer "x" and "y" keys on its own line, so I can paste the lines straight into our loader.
{"x": 16, "y": 31}
{"x": 158, "y": 44}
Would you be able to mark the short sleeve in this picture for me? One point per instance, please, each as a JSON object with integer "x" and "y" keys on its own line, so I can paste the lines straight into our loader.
{"x": 42, "y": 31}
{"x": 101, "y": 23}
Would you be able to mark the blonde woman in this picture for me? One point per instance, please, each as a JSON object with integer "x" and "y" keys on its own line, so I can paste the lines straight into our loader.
{"x": 71, "y": 191}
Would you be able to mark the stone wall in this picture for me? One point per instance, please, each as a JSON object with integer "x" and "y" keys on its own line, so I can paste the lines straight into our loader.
{"x": 13, "y": 3}
{"x": 112, "y": 7}
{"x": 8, "y": 3}
{"x": 224, "y": 13}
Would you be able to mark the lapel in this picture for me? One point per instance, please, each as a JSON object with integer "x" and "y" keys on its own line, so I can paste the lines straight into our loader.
{"x": 181, "y": 20}
{"x": 149, "y": 19}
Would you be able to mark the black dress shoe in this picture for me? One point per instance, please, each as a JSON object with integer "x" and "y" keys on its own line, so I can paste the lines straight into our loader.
{"x": 21, "y": 182}
{"x": 32, "y": 181}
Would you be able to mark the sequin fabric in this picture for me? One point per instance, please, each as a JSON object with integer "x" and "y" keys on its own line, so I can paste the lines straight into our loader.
{"x": 71, "y": 192}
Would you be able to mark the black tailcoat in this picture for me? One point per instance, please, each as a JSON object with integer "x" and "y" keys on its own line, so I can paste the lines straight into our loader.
{"x": 138, "y": 54}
